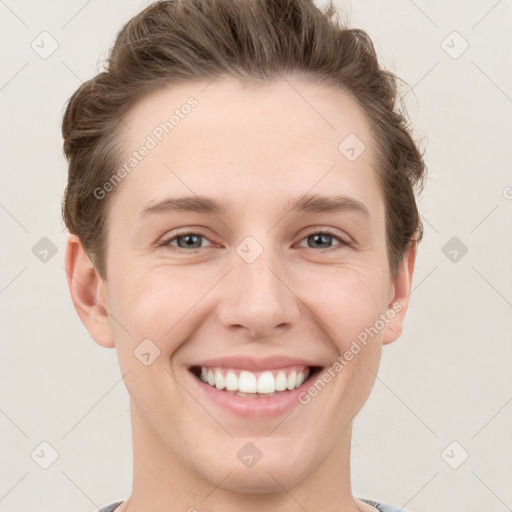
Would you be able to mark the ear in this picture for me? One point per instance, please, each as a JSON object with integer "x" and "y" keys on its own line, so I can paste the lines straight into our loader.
{"x": 401, "y": 291}
{"x": 88, "y": 292}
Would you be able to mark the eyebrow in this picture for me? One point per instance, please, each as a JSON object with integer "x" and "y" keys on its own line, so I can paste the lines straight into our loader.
{"x": 310, "y": 203}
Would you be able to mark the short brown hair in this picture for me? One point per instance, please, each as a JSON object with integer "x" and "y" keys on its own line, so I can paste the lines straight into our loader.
{"x": 175, "y": 42}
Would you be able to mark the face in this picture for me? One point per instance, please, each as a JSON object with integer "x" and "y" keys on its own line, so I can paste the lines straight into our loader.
{"x": 276, "y": 263}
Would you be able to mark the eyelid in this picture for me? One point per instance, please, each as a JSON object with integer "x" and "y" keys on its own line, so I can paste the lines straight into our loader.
{"x": 185, "y": 231}
{"x": 344, "y": 240}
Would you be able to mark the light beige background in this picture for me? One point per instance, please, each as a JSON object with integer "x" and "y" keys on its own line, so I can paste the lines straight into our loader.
{"x": 447, "y": 379}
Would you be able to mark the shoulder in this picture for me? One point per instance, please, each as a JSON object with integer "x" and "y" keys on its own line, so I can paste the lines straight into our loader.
{"x": 111, "y": 507}
{"x": 382, "y": 507}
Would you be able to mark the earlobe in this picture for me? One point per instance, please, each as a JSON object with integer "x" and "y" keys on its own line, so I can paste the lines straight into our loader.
{"x": 397, "y": 308}
{"x": 87, "y": 291}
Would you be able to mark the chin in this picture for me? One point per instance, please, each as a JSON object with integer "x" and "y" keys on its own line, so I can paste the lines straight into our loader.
{"x": 253, "y": 481}
{"x": 269, "y": 475}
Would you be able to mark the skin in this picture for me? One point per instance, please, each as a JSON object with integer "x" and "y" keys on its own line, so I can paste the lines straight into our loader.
{"x": 254, "y": 146}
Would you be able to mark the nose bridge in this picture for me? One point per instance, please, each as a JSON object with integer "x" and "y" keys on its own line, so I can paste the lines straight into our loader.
{"x": 259, "y": 299}
{"x": 258, "y": 277}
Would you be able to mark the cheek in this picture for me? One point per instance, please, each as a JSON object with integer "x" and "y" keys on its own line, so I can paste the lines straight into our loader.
{"x": 158, "y": 312}
{"x": 159, "y": 305}
{"x": 349, "y": 309}
{"x": 167, "y": 304}
{"x": 347, "y": 301}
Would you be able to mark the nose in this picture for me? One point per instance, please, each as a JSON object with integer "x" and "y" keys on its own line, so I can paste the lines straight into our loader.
{"x": 257, "y": 297}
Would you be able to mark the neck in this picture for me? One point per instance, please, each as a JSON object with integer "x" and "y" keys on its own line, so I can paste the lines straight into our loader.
{"x": 165, "y": 482}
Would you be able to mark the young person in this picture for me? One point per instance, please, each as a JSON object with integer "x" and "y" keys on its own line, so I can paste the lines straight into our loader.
{"x": 243, "y": 230}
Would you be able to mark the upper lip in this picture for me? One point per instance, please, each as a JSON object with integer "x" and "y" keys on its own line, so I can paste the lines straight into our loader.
{"x": 255, "y": 364}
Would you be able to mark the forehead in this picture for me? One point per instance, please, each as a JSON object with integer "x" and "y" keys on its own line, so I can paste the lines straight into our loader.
{"x": 291, "y": 109}
{"x": 247, "y": 139}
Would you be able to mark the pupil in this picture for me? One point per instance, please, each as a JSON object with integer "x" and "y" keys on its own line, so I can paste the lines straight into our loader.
{"x": 322, "y": 236}
{"x": 189, "y": 239}
{"x": 319, "y": 238}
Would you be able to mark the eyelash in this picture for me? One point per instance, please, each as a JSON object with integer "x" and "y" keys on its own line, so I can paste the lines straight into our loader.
{"x": 167, "y": 242}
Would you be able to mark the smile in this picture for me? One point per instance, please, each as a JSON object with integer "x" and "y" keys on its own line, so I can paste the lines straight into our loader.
{"x": 252, "y": 387}
{"x": 260, "y": 383}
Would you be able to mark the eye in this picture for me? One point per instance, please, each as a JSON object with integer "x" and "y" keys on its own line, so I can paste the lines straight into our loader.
{"x": 324, "y": 237}
{"x": 187, "y": 241}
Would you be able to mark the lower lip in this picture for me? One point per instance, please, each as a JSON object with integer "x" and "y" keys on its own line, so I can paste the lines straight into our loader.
{"x": 262, "y": 407}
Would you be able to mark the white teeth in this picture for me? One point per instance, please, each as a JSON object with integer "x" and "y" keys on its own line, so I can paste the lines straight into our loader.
{"x": 281, "y": 381}
{"x": 247, "y": 382}
{"x": 219, "y": 380}
{"x": 291, "y": 380}
{"x": 267, "y": 382}
{"x": 231, "y": 382}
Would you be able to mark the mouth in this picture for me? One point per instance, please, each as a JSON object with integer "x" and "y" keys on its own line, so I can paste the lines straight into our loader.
{"x": 255, "y": 384}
